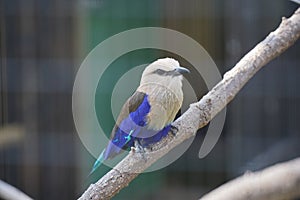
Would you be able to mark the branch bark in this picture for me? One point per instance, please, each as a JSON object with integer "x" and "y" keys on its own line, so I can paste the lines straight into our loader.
{"x": 278, "y": 182}
{"x": 200, "y": 113}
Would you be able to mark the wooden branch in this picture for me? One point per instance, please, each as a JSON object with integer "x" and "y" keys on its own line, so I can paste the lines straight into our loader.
{"x": 200, "y": 113}
{"x": 9, "y": 192}
{"x": 278, "y": 182}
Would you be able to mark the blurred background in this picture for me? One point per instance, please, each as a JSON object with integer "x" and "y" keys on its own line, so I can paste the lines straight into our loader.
{"x": 43, "y": 44}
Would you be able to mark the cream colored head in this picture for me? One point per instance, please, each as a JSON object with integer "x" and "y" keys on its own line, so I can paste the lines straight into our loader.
{"x": 165, "y": 71}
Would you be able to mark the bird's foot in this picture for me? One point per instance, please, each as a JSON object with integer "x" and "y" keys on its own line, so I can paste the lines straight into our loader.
{"x": 174, "y": 130}
{"x": 140, "y": 149}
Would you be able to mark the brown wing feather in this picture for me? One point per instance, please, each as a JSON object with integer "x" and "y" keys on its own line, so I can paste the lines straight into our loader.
{"x": 130, "y": 105}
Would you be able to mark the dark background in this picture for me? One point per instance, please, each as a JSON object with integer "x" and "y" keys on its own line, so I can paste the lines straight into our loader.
{"x": 42, "y": 46}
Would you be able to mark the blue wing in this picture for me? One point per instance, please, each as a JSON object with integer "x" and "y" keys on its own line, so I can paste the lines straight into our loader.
{"x": 131, "y": 125}
{"x": 128, "y": 127}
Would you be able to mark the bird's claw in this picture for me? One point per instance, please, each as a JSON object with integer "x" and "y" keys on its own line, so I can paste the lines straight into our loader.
{"x": 140, "y": 149}
{"x": 174, "y": 130}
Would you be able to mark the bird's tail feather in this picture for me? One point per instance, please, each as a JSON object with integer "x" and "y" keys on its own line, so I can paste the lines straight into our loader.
{"x": 98, "y": 162}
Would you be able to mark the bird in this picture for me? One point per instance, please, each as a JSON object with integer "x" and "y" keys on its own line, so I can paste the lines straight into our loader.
{"x": 146, "y": 116}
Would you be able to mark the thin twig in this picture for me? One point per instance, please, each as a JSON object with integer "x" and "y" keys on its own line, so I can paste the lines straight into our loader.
{"x": 9, "y": 192}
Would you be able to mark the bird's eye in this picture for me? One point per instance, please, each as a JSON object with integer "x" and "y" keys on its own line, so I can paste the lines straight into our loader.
{"x": 162, "y": 72}
{"x": 159, "y": 72}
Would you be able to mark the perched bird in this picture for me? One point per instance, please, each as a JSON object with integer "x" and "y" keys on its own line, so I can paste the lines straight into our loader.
{"x": 146, "y": 116}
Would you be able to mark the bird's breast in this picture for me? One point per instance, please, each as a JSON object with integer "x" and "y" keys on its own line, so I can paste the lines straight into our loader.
{"x": 164, "y": 103}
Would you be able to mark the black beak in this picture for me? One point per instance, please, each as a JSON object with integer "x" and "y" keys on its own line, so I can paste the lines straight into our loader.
{"x": 182, "y": 70}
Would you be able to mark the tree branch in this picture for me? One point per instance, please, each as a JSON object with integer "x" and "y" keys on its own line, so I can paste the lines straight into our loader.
{"x": 9, "y": 192}
{"x": 200, "y": 113}
{"x": 278, "y": 182}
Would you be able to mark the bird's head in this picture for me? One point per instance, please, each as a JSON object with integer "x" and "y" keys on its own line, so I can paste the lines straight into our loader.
{"x": 164, "y": 71}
